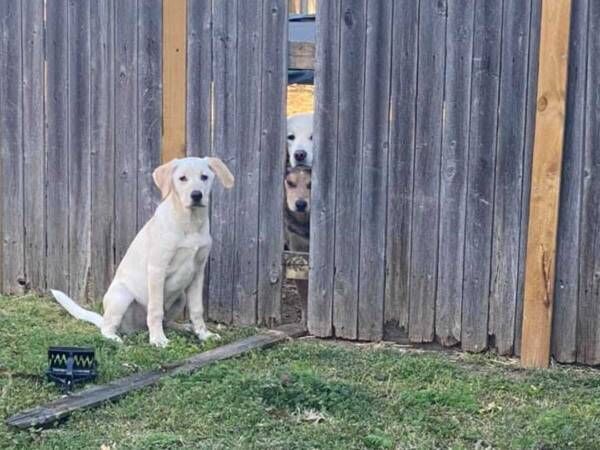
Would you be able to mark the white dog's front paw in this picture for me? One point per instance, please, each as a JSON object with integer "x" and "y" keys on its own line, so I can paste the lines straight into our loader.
{"x": 160, "y": 340}
{"x": 112, "y": 336}
{"x": 205, "y": 335}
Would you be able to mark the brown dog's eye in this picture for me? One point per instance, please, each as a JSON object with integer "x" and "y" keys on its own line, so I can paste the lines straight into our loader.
{"x": 308, "y": 186}
{"x": 291, "y": 137}
{"x": 183, "y": 178}
{"x": 311, "y": 137}
{"x": 204, "y": 177}
{"x": 290, "y": 184}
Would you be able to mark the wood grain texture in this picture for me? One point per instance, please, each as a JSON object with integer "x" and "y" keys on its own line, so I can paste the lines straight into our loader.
{"x": 374, "y": 160}
{"x": 301, "y": 55}
{"x": 453, "y": 171}
{"x": 545, "y": 185}
{"x": 403, "y": 97}
{"x": 428, "y": 139}
{"x": 34, "y": 161}
{"x": 480, "y": 184}
{"x": 323, "y": 194}
{"x": 174, "y": 20}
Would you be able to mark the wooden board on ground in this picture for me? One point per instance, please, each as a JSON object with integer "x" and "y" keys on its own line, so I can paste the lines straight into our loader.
{"x": 94, "y": 396}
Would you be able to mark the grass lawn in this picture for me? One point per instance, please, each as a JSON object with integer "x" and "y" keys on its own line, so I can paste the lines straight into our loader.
{"x": 300, "y": 395}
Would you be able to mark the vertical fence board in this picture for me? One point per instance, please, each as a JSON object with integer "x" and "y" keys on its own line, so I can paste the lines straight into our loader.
{"x": 480, "y": 185}
{"x": 566, "y": 289}
{"x": 222, "y": 256}
{"x": 322, "y": 232}
{"x": 373, "y": 197}
{"x": 272, "y": 159}
{"x": 102, "y": 145}
{"x": 33, "y": 145}
{"x": 126, "y": 116}
{"x": 509, "y": 175}
{"x": 453, "y": 172}
{"x": 428, "y": 139}
{"x": 347, "y": 226}
{"x": 403, "y": 97}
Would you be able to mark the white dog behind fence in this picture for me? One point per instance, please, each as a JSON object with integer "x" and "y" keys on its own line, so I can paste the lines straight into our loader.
{"x": 300, "y": 139}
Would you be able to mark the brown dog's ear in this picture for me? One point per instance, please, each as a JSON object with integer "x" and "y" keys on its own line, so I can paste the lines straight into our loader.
{"x": 162, "y": 177}
{"x": 221, "y": 171}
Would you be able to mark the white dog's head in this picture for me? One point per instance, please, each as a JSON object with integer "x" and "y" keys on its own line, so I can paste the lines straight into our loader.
{"x": 300, "y": 139}
{"x": 191, "y": 179}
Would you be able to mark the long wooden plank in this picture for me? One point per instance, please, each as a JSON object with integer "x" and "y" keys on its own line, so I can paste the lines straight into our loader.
{"x": 322, "y": 233}
{"x": 453, "y": 171}
{"x": 174, "y": 20}
{"x": 33, "y": 146}
{"x": 400, "y": 167}
{"x": 272, "y": 159}
{"x": 126, "y": 116}
{"x": 349, "y": 150}
{"x": 222, "y": 256}
{"x": 248, "y": 135}
{"x": 94, "y": 396}
{"x": 588, "y": 312}
{"x": 480, "y": 184}
{"x": 102, "y": 145}
{"x": 57, "y": 154}
{"x": 301, "y": 55}
{"x": 566, "y": 295}
{"x": 374, "y": 162}
{"x": 545, "y": 186}
{"x": 428, "y": 139}
{"x": 11, "y": 143}
{"x": 509, "y": 175}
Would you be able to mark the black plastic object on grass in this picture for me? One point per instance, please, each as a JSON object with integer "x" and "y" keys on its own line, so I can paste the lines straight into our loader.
{"x": 68, "y": 366}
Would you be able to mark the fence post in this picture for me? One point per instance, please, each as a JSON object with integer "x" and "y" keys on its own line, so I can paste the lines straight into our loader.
{"x": 545, "y": 184}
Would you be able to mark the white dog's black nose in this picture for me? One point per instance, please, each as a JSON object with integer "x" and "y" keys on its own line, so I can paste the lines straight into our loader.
{"x": 301, "y": 205}
{"x": 196, "y": 196}
{"x": 300, "y": 155}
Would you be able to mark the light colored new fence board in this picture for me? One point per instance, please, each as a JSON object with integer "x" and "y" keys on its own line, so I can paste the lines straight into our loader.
{"x": 272, "y": 160}
{"x": 247, "y": 142}
{"x": 149, "y": 104}
{"x": 453, "y": 171}
{"x": 79, "y": 147}
{"x": 34, "y": 161}
{"x": 102, "y": 145}
{"x": 510, "y": 153}
{"x": 588, "y": 328}
{"x": 566, "y": 288}
{"x": 403, "y": 98}
{"x": 347, "y": 209}
{"x": 322, "y": 232}
{"x": 11, "y": 143}
{"x": 373, "y": 196}
{"x": 428, "y": 139}
{"x": 222, "y": 257}
{"x": 480, "y": 184}
{"x": 57, "y": 154}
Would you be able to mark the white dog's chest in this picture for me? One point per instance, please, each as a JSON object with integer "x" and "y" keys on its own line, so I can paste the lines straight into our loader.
{"x": 186, "y": 263}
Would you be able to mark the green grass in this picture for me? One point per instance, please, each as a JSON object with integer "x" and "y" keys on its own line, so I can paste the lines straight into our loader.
{"x": 299, "y": 395}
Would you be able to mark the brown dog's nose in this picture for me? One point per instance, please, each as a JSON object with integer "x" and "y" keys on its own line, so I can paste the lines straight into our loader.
{"x": 301, "y": 205}
{"x": 300, "y": 155}
{"x": 196, "y": 196}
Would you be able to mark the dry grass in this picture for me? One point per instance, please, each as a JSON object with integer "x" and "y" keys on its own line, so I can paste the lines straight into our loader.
{"x": 300, "y": 98}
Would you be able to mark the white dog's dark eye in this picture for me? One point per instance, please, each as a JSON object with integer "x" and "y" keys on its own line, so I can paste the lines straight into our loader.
{"x": 204, "y": 177}
{"x": 308, "y": 186}
{"x": 183, "y": 178}
{"x": 291, "y": 137}
{"x": 311, "y": 137}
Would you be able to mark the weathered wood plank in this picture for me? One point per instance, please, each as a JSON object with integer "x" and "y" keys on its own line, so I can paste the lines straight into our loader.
{"x": 149, "y": 98}
{"x": 546, "y": 171}
{"x": 57, "y": 151}
{"x": 174, "y": 18}
{"x": 453, "y": 171}
{"x": 79, "y": 148}
{"x": 322, "y": 233}
{"x": 588, "y": 310}
{"x": 509, "y": 175}
{"x": 33, "y": 145}
{"x": 480, "y": 184}
{"x": 222, "y": 256}
{"x": 400, "y": 167}
{"x": 428, "y": 139}
{"x": 349, "y": 149}
{"x": 301, "y": 55}
{"x": 94, "y": 396}
{"x": 126, "y": 116}
{"x": 272, "y": 159}
{"x": 11, "y": 146}
{"x": 373, "y": 197}
{"x": 566, "y": 293}
{"x": 247, "y": 145}
{"x": 102, "y": 145}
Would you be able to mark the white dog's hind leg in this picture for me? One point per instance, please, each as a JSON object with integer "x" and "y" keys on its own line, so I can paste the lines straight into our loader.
{"x": 116, "y": 302}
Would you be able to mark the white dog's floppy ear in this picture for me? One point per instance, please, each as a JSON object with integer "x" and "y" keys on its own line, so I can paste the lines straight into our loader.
{"x": 221, "y": 171}
{"x": 162, "y": 177}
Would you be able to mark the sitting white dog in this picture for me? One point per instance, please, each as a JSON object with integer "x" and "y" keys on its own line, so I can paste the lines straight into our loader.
{"x": 300, "y": 149}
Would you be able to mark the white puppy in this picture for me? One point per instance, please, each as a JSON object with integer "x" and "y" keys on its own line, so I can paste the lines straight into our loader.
{"x": 300, "y": 139}
{"x": 163, "y": 269}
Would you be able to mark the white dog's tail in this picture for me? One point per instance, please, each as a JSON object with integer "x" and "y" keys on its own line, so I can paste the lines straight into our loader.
{"x": 75, "y": 310}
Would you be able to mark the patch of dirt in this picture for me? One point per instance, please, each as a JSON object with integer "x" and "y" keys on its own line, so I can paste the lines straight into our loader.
{"x": 291, "y": 305}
